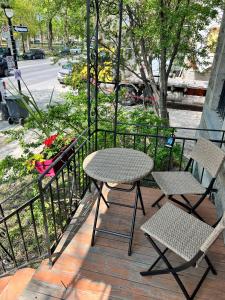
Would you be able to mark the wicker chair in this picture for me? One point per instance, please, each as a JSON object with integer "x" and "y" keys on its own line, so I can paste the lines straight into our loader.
{"x": 183, "y": 183}
{"x": 186, "y": 236}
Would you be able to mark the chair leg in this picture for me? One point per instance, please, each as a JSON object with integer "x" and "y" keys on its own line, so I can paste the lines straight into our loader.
{"x": 96, "y": 212}
{"x": 174, "y": 270}
{"x": 158, "y": 200}
{"x": 187, "y": 201}
{"x": 154, "y": 264}
{"x": 133, "y": 222}
{"x": 200, "y": 283}
{"x": 210, "y": 265}
{"x": 170, "y": 269}
{"x": 140, "y": 197}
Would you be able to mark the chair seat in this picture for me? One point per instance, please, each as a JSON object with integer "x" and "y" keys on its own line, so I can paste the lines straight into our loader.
{"x": 177, "y": 230}
{"x": 178, "y": 183}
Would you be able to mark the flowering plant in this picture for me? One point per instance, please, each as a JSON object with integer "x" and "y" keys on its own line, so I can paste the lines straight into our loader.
{"x": 51, "y": 147}
{"x": 50, "y": 140}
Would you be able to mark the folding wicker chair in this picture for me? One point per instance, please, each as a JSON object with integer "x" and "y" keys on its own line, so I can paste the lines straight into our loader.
{"x": 210, "y": 158}
{"x": 186, "y": 236}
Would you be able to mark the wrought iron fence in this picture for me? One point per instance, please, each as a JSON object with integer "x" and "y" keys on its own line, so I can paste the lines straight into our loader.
{"x": 30, "y": 231}
{"x": 152, "y": 141}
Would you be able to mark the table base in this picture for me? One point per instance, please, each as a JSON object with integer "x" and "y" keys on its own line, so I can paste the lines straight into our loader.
{"x": 138, "y": 196}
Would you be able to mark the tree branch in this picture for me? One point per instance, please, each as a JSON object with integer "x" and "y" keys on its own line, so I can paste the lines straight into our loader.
{"x": 177, "y": 44}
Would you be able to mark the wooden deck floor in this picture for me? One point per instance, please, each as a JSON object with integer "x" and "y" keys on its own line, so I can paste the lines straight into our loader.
{"x": 105, "y": 271}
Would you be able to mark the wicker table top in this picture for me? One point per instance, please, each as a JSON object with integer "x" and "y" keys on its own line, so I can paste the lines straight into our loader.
{"x": 118, "y": 165}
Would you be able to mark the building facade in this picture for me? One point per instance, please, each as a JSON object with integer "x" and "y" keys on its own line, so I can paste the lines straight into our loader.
{"x": 213, "y": 116}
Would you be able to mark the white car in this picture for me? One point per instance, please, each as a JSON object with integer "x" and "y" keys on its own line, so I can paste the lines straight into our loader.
{"x": 66, "y": 70}
{"x": 75, "y": 51}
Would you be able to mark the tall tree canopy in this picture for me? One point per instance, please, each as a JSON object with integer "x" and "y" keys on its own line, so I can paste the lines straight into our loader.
{"x": 162, "y": 29}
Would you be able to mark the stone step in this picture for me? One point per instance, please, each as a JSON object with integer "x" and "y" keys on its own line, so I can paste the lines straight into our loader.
{"x": 16, "y": 284}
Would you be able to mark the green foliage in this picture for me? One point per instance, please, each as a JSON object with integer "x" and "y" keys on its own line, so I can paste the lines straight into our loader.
{"x": 12, "y": 169}
{"x": 170, "y": 31}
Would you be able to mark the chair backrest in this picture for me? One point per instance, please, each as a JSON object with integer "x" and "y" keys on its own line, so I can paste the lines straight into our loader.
{"x": 214, "y": 235}
{"x": 208, "y": 155}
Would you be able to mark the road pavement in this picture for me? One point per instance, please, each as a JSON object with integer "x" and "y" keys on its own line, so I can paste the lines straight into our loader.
{"x": 39, "y": 74}
{"x": 41, "y": 77}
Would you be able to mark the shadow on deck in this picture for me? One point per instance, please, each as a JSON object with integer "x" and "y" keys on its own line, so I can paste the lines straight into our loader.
{"x": 105, "y": 271}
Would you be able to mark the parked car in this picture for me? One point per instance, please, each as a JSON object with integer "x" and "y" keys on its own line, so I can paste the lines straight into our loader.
{"x": 37, "y": 41}
{"x": 75, "y": 51}
{"x": 34, "y": 54}
{"x": 66, "y": 70}
{"x": 65, "y": 51}
{"x": 4, "y": 51}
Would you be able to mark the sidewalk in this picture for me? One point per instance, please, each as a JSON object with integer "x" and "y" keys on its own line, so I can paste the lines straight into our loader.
{"x": 14, "y": 148}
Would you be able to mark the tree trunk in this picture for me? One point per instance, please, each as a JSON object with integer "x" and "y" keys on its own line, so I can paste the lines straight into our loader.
{"x": 66, "y": 27}
{"x": 148, "y": 79}
{"x": 163, "y": 86}
{"x": 42, "y": 36}
{"x": 163, "y": 57}
{"x": 50, "y": 34}
{"x": 23, "y": 44}
{"x": 150, "y": 83}
{"x": 28, "y": 42}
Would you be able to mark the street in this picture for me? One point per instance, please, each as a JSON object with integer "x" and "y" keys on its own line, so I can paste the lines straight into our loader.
{"x": 39, "y": 75}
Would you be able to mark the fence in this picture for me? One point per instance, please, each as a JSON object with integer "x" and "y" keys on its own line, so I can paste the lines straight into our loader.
{"x": 30, "y": 232}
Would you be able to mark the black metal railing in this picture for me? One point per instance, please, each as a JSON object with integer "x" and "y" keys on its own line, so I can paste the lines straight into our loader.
{"x": 31, "y": 230}
{"x": 61, "y": 194}
{"x": 152, "y": 140}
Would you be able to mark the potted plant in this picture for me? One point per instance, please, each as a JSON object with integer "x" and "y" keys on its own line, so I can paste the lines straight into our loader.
{"x": 53, "y": 146}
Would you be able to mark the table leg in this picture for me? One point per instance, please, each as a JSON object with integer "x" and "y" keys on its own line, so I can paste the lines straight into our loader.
{"x": 100, "y": 191}
{"x": 97, "y": 210}
{"x": 137, "y": 196}
{"x": 133, "y": 221}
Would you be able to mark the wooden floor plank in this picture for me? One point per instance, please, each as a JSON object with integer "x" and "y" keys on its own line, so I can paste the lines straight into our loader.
{"x": 105, "y": 271}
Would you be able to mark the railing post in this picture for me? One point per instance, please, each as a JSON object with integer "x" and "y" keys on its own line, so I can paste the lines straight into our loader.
{"x": 12, "y": 255}
{"x": 88, "y": 66}
{"x": 96, "y": 77}
{"x": 47, "y": 238}
{"x": 117, "y": 79}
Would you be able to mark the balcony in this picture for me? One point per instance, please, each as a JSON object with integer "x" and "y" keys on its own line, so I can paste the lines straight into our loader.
{"x": 105, "y": 271}
{"x": 52, "y": 231}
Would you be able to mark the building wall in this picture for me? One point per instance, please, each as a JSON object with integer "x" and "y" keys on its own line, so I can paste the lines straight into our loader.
{"x": 210, "y": 117}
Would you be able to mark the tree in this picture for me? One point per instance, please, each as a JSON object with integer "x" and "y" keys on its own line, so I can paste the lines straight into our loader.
{"x": 73, "y": 18}
{"x": 49, "y": 9}
{"x": 167, "y": 30}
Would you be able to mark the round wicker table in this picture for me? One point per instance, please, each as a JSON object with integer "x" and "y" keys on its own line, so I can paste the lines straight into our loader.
{"x": 118, "y": 165}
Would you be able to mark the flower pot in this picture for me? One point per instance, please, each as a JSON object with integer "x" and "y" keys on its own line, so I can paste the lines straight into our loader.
{"x": 42, "y": 166}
